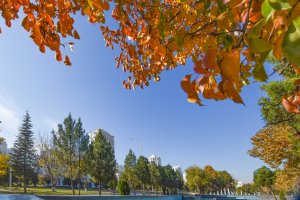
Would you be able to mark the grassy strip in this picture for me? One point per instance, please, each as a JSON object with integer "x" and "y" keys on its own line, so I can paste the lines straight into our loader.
{"x": 48, "y": 191}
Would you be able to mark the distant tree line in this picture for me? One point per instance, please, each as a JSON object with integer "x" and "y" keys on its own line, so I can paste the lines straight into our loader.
{"x": 208, "y": 180}
{"x": 142, "y": 174}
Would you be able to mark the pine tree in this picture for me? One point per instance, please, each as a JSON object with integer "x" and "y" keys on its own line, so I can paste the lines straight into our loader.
{"x": 143, "y": 172}
{"x": 104, "y": 163}
{"x": 130, "y": 174}
{"x": 23, "y": 157}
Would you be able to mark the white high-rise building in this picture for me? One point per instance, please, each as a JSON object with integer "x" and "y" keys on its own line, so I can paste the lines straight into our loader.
{"x": 108, "y": 136}
{"x": 177, "y": 168}
{"x": 156, "y": 159}
{"x": 3, "y": 147}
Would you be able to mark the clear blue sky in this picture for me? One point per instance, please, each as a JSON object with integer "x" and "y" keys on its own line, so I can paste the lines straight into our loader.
{"x": 159, "y": 116}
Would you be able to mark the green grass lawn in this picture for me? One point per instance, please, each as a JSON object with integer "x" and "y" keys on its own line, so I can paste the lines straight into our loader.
{"x": 48, "y": 191}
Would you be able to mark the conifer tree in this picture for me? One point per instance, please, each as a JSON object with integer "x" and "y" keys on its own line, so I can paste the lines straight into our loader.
{"x": 130, "y": 172}
{"x": 23, "y": 157}
{"x": 143, "y": 172}
{"x": 104, "y": 163}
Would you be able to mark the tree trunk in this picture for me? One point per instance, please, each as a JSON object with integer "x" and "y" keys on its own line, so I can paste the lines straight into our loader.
{"x": 143, "y": 189}
{"x": 25, "y": 184}
{"x": 273, "y": 193}
{"x": 100, "y": 188}
{"x": 72, "y": 186}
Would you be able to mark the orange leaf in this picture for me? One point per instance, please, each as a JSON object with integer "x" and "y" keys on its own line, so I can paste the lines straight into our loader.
{"x": 76, "y": 35}
{"x": 297, "y": 82}
{"x": 67, "y": 61}
{"x": 58, "y": 55}
{"x": 105, "y": 5}
{"x": 199, "y": 69}
{"x": 297, "y": 70}
{"x": 296, "y": 99}
{"x": 289, "y": 106}
{"x": 231, "y": 65}
{"x": 209, "y": 60}
{"x": 230, "y": 92}
{"x": 42, "y": 48}
{"x": 191, "y": 89}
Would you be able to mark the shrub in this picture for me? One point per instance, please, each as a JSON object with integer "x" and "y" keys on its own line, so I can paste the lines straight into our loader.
{"x": 123, "y": 188}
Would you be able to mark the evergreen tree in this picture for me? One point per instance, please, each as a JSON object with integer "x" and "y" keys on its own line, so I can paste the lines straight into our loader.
{"x": 129, "y": 173}
{"x": 143, "y": 172}
{"x": 66, "y": 142}
{"x": 103, "y": 162}
{"x": 23, "y": 157}
{"x": 155, "y": 176}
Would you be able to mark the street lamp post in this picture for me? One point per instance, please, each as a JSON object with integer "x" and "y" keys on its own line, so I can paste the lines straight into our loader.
{"x": 177, "y": 186}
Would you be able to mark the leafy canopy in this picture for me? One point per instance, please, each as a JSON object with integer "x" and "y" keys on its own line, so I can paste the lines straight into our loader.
{"x": 228, "y": 41}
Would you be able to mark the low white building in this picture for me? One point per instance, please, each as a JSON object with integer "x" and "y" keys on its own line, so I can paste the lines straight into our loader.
{"x": 156, "y": 159}
{"x": 239, "y": 184}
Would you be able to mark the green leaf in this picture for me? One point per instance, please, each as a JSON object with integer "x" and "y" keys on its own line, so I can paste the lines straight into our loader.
{"x": 179, "y": 38}
{"x": 291, "y": 42}
{"x": 259, "y": 73}
{"x": 258, "y": 45}
{"x": 255, "y": 31}
{"x": 266, "y": 10}
{"x": 280, "y": 4}
{"x": 226, "y": 39}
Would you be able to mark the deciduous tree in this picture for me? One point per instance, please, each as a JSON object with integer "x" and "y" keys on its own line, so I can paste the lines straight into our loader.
{"x": 227, "y": 41}
{"x": 48, "y": 157}
{"x": 4, "y": 163}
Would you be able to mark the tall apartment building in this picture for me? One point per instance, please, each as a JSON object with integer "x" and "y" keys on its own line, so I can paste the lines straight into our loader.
{"x": 154, "y": 158}
{"x": 177, "y": 168}
{"x": 3, "y": 147}
{"x": 108, "y": 136}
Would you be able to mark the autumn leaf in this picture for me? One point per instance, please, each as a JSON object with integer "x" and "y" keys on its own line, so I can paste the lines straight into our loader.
{"x": 191, "y": 89}
{"x": 289, "y": 105}
{"x": 231, "y": 92}
{"x": 67, "y": 61}
{"x": 76, "y": 35}
{"x": 231, "y": 65}
{"x": 58, "y": 56}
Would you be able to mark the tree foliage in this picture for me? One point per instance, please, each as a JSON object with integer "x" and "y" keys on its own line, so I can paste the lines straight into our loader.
{"x": 228, "y": 41}
{"x": 142, "y": 170}
{"x": 130, "y": 174}
{"x": 264, "y": 177}
{"x": 103, "y": 161}
{"x": 278, "y": 147}
{"x": 66, "y": 142}
{"x": 23, "y": 157}
{"x": 48, "y": 158}
{"x": 123, "y": 187}
{"x": 4, "y": 163}
{"x": 208, "y": 180}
